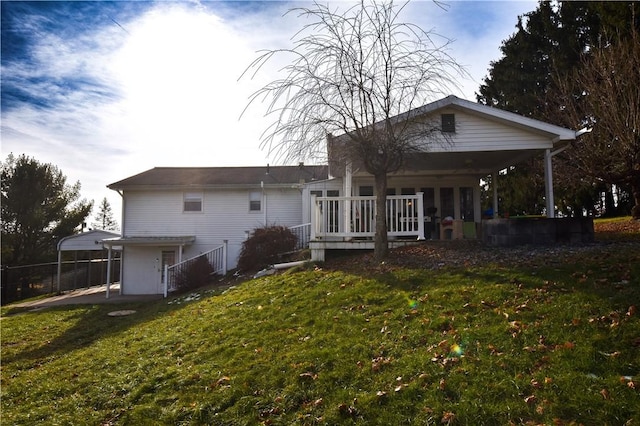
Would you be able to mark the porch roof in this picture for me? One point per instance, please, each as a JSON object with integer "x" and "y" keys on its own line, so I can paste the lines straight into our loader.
{"x": 150, "y": 241}
{"x": 488, "y": 141}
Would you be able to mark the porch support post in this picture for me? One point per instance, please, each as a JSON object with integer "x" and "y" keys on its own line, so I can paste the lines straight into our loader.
{"x": 548, "y": 183}
{"x": 314, "y": 218}
{"x": 348, "y": 177}
{"x": 494, "y": 184}
{"x": 225, "y": 246}
{"x": 165, "y": 284}
{"x": 109, "y": 271}
{"x": 59, "y": 269}
{"x": 420, "y": 216}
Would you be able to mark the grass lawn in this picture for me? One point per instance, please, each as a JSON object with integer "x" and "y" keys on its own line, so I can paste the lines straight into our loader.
{"x": 552, "y": 341}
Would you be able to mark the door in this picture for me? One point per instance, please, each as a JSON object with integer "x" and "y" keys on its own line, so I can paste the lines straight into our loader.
{"x": 168, "y": 258}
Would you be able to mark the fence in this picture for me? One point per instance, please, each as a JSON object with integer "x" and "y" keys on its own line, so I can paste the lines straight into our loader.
{"x": 22, "y": 282}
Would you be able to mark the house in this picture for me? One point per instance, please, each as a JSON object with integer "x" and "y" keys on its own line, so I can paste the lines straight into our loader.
{"x": 172, "y": 214}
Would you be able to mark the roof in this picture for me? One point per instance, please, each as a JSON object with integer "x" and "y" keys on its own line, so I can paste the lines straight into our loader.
{"x": 478, "y": 159}
{"x": 451, "y": 101}
{"x": 214, "y": 177}
{"x": 150, "y": 240}
{"x": 90, "y": 240}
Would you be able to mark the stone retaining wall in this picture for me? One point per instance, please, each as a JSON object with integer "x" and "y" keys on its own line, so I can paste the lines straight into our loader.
{"x": 543, "y": 231}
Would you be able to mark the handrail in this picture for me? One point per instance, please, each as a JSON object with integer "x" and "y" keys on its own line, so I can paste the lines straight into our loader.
{"x": 216, "y": 257}
{"x": 303, "y": 234}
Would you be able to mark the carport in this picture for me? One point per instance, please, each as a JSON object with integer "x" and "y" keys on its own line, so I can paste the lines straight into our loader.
{"x": 86, "y": 241}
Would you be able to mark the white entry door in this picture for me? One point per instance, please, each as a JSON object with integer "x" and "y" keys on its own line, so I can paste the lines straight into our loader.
{"x": 168, "y": 258}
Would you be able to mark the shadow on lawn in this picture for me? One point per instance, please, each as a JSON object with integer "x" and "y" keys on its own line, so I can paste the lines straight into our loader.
{"x": 92, "y": 323}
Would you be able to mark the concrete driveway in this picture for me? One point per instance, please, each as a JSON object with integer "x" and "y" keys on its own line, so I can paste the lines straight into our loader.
{"x": 90, "y": 296}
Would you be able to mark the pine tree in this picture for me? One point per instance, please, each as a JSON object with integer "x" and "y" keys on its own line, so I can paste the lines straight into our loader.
{"x": 104, "y": 217}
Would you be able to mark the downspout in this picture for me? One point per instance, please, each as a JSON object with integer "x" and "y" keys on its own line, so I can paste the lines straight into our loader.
{"x": 122, "y": 216}
{"x": 264, "y": 201}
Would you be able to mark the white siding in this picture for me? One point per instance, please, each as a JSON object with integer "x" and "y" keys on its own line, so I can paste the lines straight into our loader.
{"x": 225, "y": 216}
{"x": 480, "y": 134}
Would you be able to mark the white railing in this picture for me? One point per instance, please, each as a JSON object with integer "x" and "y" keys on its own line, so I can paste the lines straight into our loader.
{"x": 353, "y": 217}
{"x": 303, "y": 233}
{"x": 216, "y": 258}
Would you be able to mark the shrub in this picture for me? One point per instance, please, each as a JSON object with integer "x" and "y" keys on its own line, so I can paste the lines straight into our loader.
{"x": 193, "y": 274}
{"x": 264, "y": 245}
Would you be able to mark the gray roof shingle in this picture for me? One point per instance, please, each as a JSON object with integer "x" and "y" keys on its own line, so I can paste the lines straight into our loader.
{"x": 162, "y": 177}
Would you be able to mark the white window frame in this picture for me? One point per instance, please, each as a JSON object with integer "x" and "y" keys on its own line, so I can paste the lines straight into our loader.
{"x": 255, "y": 196}
{"x": 192, "y": 197}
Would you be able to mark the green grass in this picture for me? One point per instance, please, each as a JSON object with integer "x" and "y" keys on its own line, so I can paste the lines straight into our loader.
{"x": 546, "y": 344}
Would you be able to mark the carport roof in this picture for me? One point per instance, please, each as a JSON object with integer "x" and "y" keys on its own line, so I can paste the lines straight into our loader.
{"x": 85, "y": 241}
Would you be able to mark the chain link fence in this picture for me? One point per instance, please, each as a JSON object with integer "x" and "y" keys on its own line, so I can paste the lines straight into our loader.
{"x": 22, "y": 282}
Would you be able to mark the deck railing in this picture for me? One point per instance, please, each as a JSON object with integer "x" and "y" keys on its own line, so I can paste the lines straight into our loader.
{"x": 354, "y": 217}
{"x": 217, "y": 259}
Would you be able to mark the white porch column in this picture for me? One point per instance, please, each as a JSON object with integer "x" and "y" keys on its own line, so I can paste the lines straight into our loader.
{"x": 548, "y": 184}
{"x": 109, "y": 271}
{"x": 60, "y": 269}
{"x": 348, "y": 179}
{"x": 420, "y": 211}
{"x": 494, "y": 184}
{"x": 314, "y": 218}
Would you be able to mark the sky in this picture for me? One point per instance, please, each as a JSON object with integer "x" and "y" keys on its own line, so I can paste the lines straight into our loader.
{"x": 106, "y": 90}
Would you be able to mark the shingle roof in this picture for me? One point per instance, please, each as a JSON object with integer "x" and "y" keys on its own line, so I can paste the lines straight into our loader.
{"x": 161, "y": 177}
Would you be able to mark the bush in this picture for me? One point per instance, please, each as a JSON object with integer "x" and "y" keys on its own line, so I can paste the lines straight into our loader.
{"x": 193, "y": 274}
{"x": 264, "y": 245}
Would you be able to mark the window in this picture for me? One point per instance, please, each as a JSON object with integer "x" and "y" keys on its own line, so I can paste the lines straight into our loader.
{"x": 366, "y": 191}
{"x": 448, "y": 123}
{"x": 193, "y": 202}
{"x": 446, "y": 202}
{"x": 255, "y": 201}
{"x": 428, "y": 201}
{"x": 466, "y": 204}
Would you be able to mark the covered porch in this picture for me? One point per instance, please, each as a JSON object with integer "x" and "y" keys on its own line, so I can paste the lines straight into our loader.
{"x": 436, "y": 194}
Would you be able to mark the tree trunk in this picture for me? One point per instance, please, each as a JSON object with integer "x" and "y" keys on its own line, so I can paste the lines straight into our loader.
{"x": 381, "y": 246}
{"x": 635, "y": 191}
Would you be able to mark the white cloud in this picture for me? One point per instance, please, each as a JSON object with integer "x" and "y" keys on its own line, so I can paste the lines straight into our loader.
{"x": 162, "y": 88}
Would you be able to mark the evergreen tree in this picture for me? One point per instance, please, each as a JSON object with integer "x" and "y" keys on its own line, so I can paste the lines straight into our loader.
{"x": 104, "y": 217}
{"x": 38, "y": 209}
{"x": 551, "y": 43}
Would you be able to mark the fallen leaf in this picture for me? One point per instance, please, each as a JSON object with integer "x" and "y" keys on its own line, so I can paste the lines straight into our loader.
{"x": 531, "y": 399}
{"x": 447, "y": 417}
{"x": 605, "y": 394}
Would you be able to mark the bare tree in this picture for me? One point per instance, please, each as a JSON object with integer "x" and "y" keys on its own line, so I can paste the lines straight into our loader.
{"x": 604, "y": 93}
{"x": 360, "y": 74}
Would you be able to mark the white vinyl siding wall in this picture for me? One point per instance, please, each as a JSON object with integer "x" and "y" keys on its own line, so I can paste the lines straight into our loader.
{"x": 479, "y": 134}
{"x": 225, "y": 216}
